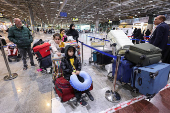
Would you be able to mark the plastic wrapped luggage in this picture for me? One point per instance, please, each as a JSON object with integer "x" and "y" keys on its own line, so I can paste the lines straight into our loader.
{"x": 124, "y": 70}
{"x": 64, "y": 90}
{"x": 149, "y": 80}
{"x": 103, "y": 59}
{"x": 120, "y": 38}
{"x": 143, "y": 54}
{"x": 42, "y": 50}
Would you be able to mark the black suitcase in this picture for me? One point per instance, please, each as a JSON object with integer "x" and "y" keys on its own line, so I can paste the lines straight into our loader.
{"x": 103, "y": 59}
{"x": 143, "y": 54}
{"x": 45, "y": 62}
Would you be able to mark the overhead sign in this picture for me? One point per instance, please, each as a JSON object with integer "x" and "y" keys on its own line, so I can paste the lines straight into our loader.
{"x": 75, "y": 19}
{"x": 63, "y": 14}
{"x": 1, "y": 15}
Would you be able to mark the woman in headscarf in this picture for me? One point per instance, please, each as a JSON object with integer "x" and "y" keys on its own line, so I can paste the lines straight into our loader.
{"x": 73, "y": 32}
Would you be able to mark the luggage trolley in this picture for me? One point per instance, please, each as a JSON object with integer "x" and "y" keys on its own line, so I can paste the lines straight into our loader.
{"x": 95, "y": 44}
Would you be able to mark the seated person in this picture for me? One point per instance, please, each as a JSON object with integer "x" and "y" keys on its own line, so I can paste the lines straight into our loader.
{"x": 63, "y": 37}
{"x": 56, "y": 44}
{"x": 70, "y": 65}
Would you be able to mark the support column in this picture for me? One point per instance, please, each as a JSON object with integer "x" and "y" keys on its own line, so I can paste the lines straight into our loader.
{"x": 97, "y": 23}
{"x": 11, "y": 20}
{"x": 150, "y": 23}
{"x": 31, "y": 19}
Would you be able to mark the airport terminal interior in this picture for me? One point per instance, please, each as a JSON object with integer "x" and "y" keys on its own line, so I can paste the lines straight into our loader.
{"x": 121, "y": 51}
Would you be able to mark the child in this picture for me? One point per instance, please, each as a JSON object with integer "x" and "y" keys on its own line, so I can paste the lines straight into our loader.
{"x": 56, "y": 44}
{"x": 64, "y": 38}
{"x": 70, "y": 65}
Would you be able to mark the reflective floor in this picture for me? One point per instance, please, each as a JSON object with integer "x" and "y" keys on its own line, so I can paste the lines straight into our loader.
{"x": 32, "y": 91}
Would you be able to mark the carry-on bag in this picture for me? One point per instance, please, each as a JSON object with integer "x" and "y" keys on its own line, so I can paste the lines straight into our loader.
{"x": 45, "y": 62}
{"x": 143, "y": 54}
{"x": 149, "y": 80}
{"x": 64, "y": 90}
{"x": 95, "y": 56}
{"x": 124, "y": 70}
{"x": 104, "y": 59}
{"x": 42, "y": 50}
{"x": 57, "y": 69}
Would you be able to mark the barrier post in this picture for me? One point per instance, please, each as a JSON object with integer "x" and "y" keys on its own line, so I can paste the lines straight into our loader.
{"x": 112, "y": 95}
{"x": 11, "y": 75}
{"x": 82, "y": 50}
{"x": 86, "y": 39}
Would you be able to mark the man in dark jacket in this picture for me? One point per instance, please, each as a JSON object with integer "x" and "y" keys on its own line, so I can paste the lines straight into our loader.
{"x": 159, "y": 37}
{"x": 70, "y": 65}
{"x": 73, "y": 32}
{"x": 21, "y": 36}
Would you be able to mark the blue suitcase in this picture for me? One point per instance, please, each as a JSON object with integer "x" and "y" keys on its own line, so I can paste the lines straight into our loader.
{"x": 149, "y": 80}
{"x": 94, "y": 56}
{"x": 124, "y": 70}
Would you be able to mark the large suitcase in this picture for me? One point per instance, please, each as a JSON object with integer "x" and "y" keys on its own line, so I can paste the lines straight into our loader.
{"x": 64, "y": 90}
{"x": 103, "y": 59}
{"x": 143, "y": 54}
{"x": 149, "y": 80}
{"x": 120, "y": 38}
{"x": 45, "y": 62}
{"x": 42, "y": 50}
{"x": 124, "y": 70}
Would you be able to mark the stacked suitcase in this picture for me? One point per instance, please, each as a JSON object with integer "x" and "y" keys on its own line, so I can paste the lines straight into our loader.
{"x": 43, "y": 55}
{"x": 140, "y": 66}
{"x": 64, "y": 90}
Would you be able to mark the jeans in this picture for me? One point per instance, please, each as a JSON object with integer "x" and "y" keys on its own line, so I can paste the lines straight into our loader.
{"x": 23, "y": 52}
{"x": 79, "y": 93}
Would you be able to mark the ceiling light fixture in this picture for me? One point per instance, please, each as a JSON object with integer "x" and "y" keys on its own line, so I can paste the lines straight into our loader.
{"x": 150, "y": 1}
{"x": 138, "y": 12}
{"x": 61, "y": 2}
{"x": 52, "y": 2}
{"x": 119, "y": 10}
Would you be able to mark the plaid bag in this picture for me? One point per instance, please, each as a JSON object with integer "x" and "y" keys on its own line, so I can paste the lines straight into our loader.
{"x": 57, "y": 69}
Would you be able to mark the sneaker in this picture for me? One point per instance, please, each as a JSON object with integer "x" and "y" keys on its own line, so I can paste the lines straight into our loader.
{"x": 33, "y": 64}
{"x": 25, "y": 68}
{"x": 83, "y": 103}
{"x": 90, "y": 96}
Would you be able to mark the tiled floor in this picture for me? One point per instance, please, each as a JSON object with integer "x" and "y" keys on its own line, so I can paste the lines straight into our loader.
{"x": 32, "y": 91}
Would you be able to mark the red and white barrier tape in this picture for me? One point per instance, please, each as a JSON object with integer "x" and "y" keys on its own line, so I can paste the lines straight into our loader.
{"x": 129, "y": 102}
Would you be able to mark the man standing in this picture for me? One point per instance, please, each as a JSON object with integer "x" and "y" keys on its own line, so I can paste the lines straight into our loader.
{"x": 159, "y": 37}
{"x": 21, "y": 36}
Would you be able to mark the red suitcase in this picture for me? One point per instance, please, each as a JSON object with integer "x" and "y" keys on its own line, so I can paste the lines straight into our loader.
{"x": 11, "y": 48}
{"x": 42, "y": 50}
{"x": 64, "y": 90}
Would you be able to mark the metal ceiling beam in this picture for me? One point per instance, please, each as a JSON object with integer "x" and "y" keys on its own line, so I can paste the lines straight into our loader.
{"x": 12, "y": 5}
{"x": 61, "y": 8}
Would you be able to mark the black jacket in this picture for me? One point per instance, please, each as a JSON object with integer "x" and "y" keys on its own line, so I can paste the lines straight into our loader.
{"x": 137, "y": 34}
{"x": 159, "y": 37}
{"x": 66, "y": 65}
{"x": 72, "y": 32}
{"x": 147, "y": 33}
